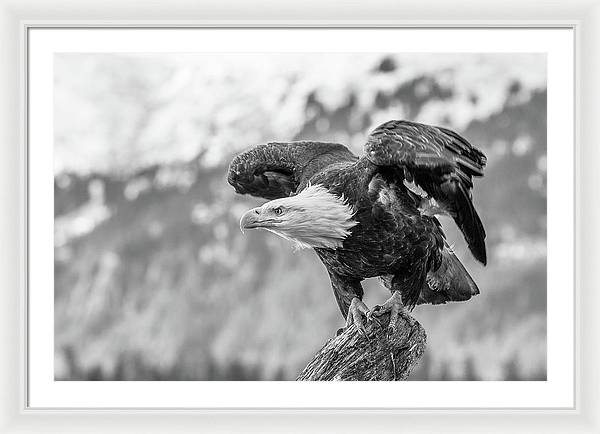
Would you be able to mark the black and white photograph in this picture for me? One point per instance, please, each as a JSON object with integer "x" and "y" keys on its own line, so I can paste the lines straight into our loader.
{"x": 300, "y": 216}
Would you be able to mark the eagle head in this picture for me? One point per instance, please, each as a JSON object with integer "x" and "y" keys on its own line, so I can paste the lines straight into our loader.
{"x": 314, "y": 217}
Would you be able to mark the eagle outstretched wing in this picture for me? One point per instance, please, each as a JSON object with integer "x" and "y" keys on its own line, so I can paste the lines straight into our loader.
{"x": 442, "y": 163}
{"x": 277, "y": 170}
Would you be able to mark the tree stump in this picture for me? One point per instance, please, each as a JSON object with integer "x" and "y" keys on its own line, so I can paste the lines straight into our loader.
{"x": 351, "y": 356}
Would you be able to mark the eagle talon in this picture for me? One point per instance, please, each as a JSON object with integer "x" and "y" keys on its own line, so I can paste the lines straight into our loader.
{"x": 376, "y": 310}
{"x": 394, "y": 306}
{"x": 356, "y": 312}
{"x": 374, "y": 319}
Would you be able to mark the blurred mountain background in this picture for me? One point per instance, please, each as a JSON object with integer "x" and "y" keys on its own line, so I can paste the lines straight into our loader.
{"x": 153, "y": 279}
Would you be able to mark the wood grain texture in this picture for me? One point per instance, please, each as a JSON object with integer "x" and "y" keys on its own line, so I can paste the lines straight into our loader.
{"x": 377, "y": 357}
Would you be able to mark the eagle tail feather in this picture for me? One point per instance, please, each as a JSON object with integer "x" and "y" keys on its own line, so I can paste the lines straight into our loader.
{"x": 450, "y": 282}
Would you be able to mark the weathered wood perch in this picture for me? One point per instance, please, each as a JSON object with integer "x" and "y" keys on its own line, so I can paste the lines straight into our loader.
{"x": 350, "y": 356}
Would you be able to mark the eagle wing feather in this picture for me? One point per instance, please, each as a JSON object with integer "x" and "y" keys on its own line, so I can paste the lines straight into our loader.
{"x": 279, "y": 169}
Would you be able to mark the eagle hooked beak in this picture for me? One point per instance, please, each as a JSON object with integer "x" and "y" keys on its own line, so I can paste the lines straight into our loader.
{"x": 251, "y": 219}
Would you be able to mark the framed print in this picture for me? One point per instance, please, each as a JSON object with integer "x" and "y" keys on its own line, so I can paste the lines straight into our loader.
{"x": 154, "y": 282}
{"x": 225, "y": 218}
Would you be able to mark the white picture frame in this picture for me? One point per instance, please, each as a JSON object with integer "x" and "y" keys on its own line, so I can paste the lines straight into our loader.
{"x": 16, "y": 417}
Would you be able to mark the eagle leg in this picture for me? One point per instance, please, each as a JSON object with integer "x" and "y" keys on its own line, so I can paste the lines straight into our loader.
{"x": 357, "y": 310}
{"x": 394, "y": 306}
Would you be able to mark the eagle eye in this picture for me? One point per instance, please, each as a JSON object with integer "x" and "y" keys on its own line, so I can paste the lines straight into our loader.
{"x": 278, "y": 210}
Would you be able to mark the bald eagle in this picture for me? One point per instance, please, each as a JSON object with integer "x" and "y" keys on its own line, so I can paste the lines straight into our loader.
{"x": 373, "y": 216}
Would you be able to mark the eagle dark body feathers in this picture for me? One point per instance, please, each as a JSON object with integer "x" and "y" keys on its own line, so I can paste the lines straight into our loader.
{"x": 407, "y": 169}
{"x": 391, "y": 237}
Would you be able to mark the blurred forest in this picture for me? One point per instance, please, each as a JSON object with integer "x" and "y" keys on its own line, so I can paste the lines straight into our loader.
{"x": 153, "y": 279}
